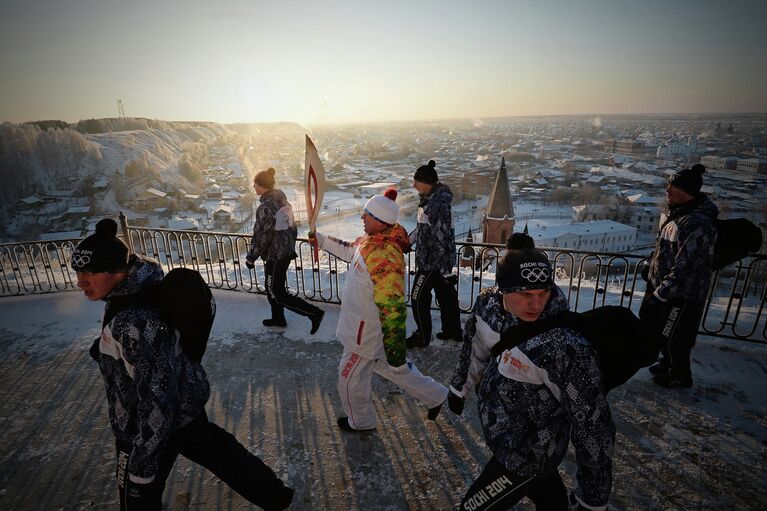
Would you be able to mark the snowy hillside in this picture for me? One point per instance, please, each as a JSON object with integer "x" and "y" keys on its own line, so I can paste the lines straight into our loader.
{"x": 37, "y": 161}
{"x": 45, "y": 170}
{"x": 160, "y": 149}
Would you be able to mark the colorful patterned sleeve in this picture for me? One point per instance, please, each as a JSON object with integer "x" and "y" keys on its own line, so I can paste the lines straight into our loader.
{"x": 386, "y": 266}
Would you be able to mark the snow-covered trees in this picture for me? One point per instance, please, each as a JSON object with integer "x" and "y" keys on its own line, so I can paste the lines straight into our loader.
{"x": 192, "y": 160}
{"x": 33, "y": 159}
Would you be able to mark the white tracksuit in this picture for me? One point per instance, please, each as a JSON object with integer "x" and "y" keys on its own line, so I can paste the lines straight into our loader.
{"x": 371, "y": 346}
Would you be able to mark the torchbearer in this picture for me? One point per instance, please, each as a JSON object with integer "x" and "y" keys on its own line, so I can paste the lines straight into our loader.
{"x": 371, "y": 325}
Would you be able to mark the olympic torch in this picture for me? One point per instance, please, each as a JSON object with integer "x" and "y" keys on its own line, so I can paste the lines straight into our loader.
{"x": 314, "y": 185}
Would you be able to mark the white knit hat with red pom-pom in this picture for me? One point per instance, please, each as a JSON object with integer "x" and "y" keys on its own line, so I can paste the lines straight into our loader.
{"x": 384, "y": 207}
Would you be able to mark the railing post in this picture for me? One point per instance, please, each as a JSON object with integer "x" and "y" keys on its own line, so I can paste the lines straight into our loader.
{"x": 124, "y": 227}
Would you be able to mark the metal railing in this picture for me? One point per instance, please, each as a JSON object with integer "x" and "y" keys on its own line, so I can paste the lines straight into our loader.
{"x": 735, "y": 307}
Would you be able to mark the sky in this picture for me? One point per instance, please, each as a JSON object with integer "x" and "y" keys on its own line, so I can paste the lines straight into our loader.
{"x": 346, "y": 61}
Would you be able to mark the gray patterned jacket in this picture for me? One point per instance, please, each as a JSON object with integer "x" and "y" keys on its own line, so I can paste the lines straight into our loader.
{"x": 537, "y": 397}
{"x": 434, "y": 237}
{"x": 152, "y": 387}
{"x": 274, "y": 231}
{"x": 680, "y": 267}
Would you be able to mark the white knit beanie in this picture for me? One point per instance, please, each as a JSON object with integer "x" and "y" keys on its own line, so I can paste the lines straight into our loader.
{"x": 383, "y": 207}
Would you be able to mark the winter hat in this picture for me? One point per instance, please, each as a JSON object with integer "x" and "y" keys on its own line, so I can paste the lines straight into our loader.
{"x": 523, "y": 270}
{"x": 101, "y": 252}
{"x": 265, "y": 178}
{"x": 689, "y": 180}
{"x": 383, "y": 207}
{"x": 520, "y": 241}
{"x": 427, "y": 174}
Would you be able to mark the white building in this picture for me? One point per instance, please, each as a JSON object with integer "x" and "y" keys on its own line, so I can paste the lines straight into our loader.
{"x": 720, "y": 162}
{"x": 597, "y": 236}
{"x": 676, "y": 150}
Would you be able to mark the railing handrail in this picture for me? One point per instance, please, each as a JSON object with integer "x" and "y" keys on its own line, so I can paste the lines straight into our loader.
{"x": 589, "y": 279}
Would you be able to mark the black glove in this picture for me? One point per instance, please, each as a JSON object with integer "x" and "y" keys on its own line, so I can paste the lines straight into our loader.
{"x": 141, "y": 496}
{"x": 250, "y": 264}
{"x": 455, "y": 403}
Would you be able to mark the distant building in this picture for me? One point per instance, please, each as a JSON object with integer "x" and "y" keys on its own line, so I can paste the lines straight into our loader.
{"x": 720, "y": 162}
{"x": 644, "y": 212}
{"x": 498, "y": 221}
{"x": 469, "y": 184}
{"x": 597, "y": 236}
{"x": 619, "y": 160}
{"x": 752, "y": 166}
{"x": 587, "y": 212}
{"x": 214, "y": 192}
{"x": 223, "y": 214}
{"x": 183, "y": 224}
{"x": 28, "y": 203}
{"x": 676, "y": 150}
{"x": 632, "y": 147}
{"x": 645, "y": 219}
{"x": 151, "y": 198}
{"x": 74, "y": 213}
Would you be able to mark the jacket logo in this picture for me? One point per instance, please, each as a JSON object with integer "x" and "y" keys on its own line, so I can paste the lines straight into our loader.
{"x": 350, "y": 365}
{"x": 515, "y": 362}
{"x": 283, "y": 219}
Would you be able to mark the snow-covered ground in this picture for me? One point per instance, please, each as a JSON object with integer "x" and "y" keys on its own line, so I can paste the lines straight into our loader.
{"x": 702, "y": 448}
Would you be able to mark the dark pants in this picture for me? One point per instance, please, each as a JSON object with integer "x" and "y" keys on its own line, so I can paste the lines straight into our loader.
{"x": 676, "y": 326}
{"x": 447, "y": 296}
{"x": 496, "y": 488}
{"x": 277, "y": 293}
{"x": 209, "y": 446}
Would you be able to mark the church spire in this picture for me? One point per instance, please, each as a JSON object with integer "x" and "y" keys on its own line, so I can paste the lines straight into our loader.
{"x": 498, "y": 221}
{"x": 499, "y": 206}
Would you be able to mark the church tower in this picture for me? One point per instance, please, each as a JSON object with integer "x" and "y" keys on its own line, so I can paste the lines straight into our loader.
{"x": 498, "y": 221}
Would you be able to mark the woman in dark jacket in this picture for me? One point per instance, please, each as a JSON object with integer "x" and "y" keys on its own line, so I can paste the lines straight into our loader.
{"x": 274, "y": 240}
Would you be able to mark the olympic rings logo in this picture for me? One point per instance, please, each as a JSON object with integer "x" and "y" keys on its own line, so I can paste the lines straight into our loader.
{"x": 79, "y": 260}
{"x": 535, "y": 274}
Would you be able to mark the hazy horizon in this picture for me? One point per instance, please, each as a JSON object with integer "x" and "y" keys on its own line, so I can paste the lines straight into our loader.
{"x": 341, "y": 62}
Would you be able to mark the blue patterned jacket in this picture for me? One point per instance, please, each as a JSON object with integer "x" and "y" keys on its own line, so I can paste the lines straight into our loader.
{"x": 537, "y": 397}
{"x": 434, "y": 237}
{"x": 152, "y": 387}
{"x": 680, "y": 267}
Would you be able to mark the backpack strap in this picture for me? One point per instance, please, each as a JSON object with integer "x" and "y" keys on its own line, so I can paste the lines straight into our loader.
{"x": 120, "y": 303}
{"x": 517, "y": 334}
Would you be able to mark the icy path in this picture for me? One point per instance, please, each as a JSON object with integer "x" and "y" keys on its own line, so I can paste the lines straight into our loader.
{"x": 702, "y": 448}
